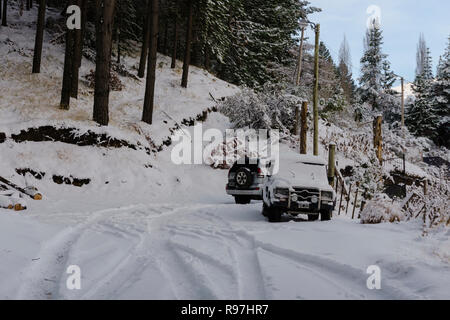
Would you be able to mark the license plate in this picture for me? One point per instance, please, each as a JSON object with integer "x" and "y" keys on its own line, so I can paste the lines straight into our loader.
{"x": 303, "y": 205}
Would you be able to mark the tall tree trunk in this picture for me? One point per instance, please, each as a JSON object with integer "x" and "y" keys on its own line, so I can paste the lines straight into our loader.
{"x": 104, "y": 28}
{"x": 175, "y": 42}
{"x": 187, "y": 53}
{"x": 39, "y": 37}
{"x": 207, "y": 58}
{"x": 147, "y": 115}
{"x": 166, "y": 36}
{"x": 4, "y": 13}
{"x": 31, "y": 4}
{"x": 118, "y": 41}
{"x": 27, "y": 5}
{"x": 67, "y": 75}
{"x": 1, "y": 9}
{"x": 145, "y": 42}
{"x": 78, "y": 50}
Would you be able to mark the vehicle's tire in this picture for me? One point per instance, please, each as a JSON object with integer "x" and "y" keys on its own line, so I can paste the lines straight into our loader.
{"x": 242, "y": 200}
{"x": 274, "y": 214}
{"x": 265, "y": 210}
{"x": 313, "y": 217}
{"x": 244, "y": 177}
{"x": 325, "y": 215}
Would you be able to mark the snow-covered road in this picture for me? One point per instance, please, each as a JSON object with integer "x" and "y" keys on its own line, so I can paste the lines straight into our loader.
{"x": 217, "y": 251}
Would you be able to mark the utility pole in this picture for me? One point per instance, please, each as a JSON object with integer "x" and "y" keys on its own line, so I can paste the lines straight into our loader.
{"x": 403, "y": 102}
{"x": 303, "y": 25}
{"x": 316, "y": 92}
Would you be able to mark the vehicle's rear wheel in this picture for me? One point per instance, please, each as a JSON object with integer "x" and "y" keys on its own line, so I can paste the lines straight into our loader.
{"x": 242, "y": 200}
{"x": 244, "y": 177}
{"x": 265, "y": 210}
{"x": 313, "y": 217}
{"x": 325, "y": 215}
{"x": 274, "y": 214}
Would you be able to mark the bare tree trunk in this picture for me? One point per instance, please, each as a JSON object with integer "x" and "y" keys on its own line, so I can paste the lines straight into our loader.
{"x": 4, "y": 13}
{"x": 78, "y": 50}
{"x": 39, "y": 37}
{"x": 67, "y": 75}
{"x": 187, "y": 54}
{"x": 145, "y": 42}
{"x": 27, "y": 5}
{"x": 175, "y": 42}
{"x": 118, "y": 40}
{"x": 147, "y": 115}
{"x": 166, "y": 36}
{"x": 104, "y": 27}
{"x": 207, "y": 58}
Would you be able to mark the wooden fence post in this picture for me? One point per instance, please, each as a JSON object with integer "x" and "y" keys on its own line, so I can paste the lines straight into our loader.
{"x": 304, "y": 128}
{"x": 377, "y": 138}
{"x": 342, "y": 193}
{"x": 425, "y": 187}
{"x": 331, "y": 163}
{"x": 363, "y": 204}
{"x": 354, "y": 204}
{"x": 348, "y": 199}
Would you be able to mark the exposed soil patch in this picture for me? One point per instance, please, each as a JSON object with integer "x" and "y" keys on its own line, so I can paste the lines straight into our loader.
{"x": 73, "y": 136}
{"x": 71, "y": 181}
{"x": 24, "y": 171}
{"x": 189, "y": 122}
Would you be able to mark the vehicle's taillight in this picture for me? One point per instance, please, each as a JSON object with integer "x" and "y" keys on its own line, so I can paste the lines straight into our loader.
{"x": 260, "y": 173}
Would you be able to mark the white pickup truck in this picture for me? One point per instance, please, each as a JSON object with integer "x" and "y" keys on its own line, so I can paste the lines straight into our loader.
{"x": 299, "y": 187}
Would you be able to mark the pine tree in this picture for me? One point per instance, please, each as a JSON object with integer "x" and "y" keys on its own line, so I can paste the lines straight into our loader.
{"x": 4, "y": 13}
{"x": 344, "y": 71}
{"x": 147, "y": 115}
{"x": 371, "y": 66}
{"x": 324, "y": 53}
{"x": 421, "y": 118}
{"x": 427, "y": 72}
{"x": 103, "y": 29}
{"x": 441, "y": 98}
{"x": 126, "y": 28}
{"x": 261, "y": 34}
{"x": 421, "y": 55}
{"x": 387, "y": 77}
{"x": 39, "y": 37}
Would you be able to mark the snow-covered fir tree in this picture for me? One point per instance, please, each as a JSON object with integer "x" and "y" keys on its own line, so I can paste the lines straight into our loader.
{"x": 387, "y": 77}
{"x": 441, "y": 98}
{"x": 420, "y": 117}
{"x": 261, "y": 36}
{"x": 371, "y": 66}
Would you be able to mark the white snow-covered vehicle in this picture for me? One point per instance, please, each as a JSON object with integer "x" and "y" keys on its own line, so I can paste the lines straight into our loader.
{"x": 299, "y": 187}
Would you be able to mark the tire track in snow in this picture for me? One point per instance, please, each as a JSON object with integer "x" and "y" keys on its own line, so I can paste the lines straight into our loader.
{"x": 245, "y": 268}
{"x": 344, "y": 277}
{"x": 44, "y": 276}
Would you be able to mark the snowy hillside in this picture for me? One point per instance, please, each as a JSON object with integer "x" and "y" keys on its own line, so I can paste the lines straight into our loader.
{"x": 141, "y": 227}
